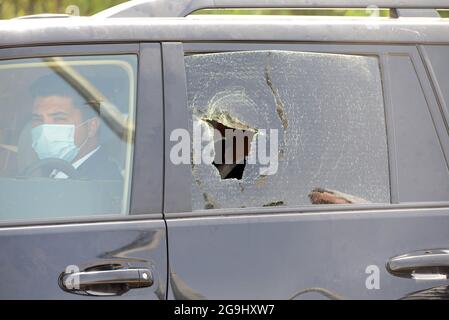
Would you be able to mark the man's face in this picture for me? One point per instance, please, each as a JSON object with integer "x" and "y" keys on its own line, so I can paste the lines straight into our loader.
{"x": 60, "y": 110}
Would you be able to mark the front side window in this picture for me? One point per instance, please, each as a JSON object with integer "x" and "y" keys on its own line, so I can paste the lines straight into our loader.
{"x": 66, "y": 136}
{"x": 281, "y": 128}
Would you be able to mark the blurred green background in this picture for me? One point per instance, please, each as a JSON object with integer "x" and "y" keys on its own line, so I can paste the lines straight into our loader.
{"x": 14, "y": 8}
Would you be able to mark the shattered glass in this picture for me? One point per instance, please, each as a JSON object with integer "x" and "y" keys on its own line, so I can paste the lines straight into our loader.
{"x": 329, "y": 115}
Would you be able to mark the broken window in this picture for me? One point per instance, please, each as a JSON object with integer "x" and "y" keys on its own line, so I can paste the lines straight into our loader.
{"x": 283, "y": 128}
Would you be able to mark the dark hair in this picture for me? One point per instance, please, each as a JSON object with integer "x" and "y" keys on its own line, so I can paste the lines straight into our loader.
{"x": 54, "y": 85}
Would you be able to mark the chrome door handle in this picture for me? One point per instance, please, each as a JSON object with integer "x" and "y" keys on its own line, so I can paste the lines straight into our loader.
{"x": 106, "y": 282}
{"x": 421, "y": 265}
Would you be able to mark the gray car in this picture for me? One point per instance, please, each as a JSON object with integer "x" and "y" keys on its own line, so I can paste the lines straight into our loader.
{"x": 147, "y": 153}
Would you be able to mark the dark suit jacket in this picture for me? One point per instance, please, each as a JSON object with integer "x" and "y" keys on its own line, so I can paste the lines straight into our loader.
{"x": 99, "y": 167}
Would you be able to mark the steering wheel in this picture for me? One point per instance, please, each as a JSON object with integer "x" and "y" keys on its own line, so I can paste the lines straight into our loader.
{"x": 49, "y": 165}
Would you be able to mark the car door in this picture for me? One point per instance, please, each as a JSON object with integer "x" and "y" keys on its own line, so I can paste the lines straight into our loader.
{"x": 81, "y": 173}
{"x": 348, "y": 196}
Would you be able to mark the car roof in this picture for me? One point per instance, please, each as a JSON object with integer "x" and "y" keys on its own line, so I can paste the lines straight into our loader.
{"x": 80, "y": 30}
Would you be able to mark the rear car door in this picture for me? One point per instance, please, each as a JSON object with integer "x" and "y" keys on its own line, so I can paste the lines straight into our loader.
{"x": 348, "y": 197}
{"x": 81, "y": 172}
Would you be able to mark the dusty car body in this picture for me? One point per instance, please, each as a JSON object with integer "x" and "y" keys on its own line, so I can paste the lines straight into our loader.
{"x": 357, "y": 208}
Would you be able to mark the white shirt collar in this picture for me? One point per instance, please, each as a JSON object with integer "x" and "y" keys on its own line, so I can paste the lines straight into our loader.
{"x": 79, "y": 162}
{"x": 61, "y": 175}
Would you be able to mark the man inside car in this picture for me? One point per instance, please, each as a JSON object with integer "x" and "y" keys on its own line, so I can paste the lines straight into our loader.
{"x": 66, "y": 127}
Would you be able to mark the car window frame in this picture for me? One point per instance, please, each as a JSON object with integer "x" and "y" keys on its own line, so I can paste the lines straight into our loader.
{"x": 146, "y": 182}
{"x": 382, "y": 51}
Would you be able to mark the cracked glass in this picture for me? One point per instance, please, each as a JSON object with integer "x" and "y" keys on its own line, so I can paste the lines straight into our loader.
{"x": 314, "y": 122}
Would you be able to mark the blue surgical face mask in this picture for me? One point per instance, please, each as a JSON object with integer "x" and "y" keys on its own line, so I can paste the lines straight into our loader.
{"x": 55, "y": 141}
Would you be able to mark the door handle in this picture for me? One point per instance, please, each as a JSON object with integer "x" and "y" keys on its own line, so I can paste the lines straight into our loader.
{"x": 421, "y": 265}
{"x": 106, "y": 282}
